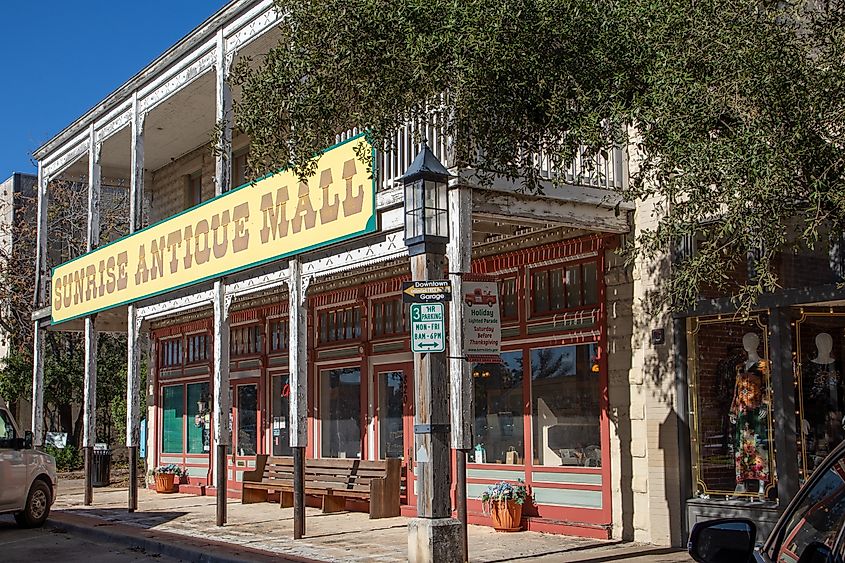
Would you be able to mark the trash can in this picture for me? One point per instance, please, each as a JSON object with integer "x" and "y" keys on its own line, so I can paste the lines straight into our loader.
{"x": 102, "y": 468}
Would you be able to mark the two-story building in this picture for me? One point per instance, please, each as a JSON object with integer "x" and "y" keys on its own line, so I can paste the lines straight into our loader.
{"x": 575, "y": 408}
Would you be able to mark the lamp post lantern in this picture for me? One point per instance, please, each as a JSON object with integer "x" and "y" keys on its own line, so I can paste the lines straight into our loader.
{"x": 434, "y": 536}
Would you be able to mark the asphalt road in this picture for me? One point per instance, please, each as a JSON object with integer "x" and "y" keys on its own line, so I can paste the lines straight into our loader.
{"x": 55, "y": 544}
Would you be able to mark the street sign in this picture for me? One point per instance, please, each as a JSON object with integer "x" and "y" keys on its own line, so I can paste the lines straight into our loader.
{"x": 428, "y": 327}
{"x": 435, "y": 291}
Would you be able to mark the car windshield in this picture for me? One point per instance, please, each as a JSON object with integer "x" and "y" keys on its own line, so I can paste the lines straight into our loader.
{"x": 818, "y": 517}
{"x": 7, "y": 431}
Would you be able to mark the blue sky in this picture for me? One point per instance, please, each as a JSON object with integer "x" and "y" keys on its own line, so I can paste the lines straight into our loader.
{"x": 59, "y": 58}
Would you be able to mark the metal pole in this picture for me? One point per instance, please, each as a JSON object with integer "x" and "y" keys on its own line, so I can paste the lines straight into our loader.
{"x": 133, "y": 478}
{"x": 461, "y": 498}
{"x": 298, "y": 493}
{"x": 222, "y": 476}
{"x": 89, "y": 468}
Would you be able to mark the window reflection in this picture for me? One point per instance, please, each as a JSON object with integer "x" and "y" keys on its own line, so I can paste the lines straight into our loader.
{"x": 498, "y": 411}
{"x": 340, "y": 402}
{"x": 247, "y": 419}
{"x": 565, "y": 390}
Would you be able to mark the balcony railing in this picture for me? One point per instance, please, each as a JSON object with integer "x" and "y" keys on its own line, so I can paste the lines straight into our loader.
{"x": 599, "y": 171}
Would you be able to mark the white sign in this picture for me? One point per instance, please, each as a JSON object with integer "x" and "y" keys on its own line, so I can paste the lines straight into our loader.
{"x": 482, "y": 320}
{"x": 428, "y": 327}
{"x": 56, "y": 439}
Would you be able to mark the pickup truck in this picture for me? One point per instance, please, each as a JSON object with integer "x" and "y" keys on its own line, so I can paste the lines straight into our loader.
{"x": 28, "y": 476}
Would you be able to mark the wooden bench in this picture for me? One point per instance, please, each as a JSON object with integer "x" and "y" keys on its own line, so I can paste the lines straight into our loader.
{"x": 335, "y": 480}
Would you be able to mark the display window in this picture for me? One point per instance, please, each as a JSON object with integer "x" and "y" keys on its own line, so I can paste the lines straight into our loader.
{"x": 731, "y": 398}
{"x": 340, "y": 405}
{"x": 498, "y": 421}
{"x": 820, "y": 390}
{"x": 281, "y": 412}
{"x": 565, "y": 396}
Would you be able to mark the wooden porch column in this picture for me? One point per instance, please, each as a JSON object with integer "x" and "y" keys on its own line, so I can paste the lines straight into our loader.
{"x": 133, "y": 331}
{"x": 459, "y": 252}
{"x": 223, "y": 159}
{"x": 39, "y": 296}
{"x": 298, "y": 365}
{"x": 90, "y": 331}
{"x": 222, "y": 432}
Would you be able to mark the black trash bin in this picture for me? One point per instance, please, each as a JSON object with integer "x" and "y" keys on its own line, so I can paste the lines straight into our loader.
{"x": 102, "y": 468}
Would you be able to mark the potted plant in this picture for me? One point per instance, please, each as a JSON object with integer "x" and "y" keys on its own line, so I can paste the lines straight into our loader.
{"x": 165, "y": 476}
{"x": 503, "y": 502}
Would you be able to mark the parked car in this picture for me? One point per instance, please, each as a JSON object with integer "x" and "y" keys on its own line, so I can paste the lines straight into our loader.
{"x": 811, "y": 529}
{"x": 27, "y": 477}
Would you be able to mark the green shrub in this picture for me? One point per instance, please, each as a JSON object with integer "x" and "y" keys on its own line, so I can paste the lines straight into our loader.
{"x": 67, "y": 459}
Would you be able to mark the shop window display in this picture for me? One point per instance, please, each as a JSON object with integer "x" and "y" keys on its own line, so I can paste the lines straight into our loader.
{"x": 498, "y": 419}
{"x": 732, "y": 410}
{"x": 340, "y": 402}
{"x": 820, "y": 343}
{"x": 565, "y": 394}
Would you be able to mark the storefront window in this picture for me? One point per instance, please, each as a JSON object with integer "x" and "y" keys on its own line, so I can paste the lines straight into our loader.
{"x": 562, "y": 288}
{"x": 278, "y": 335}
{"x": 510, "y": 300}
{"x": 281, "y": 412}
{"x": 247, "y": 420}
{"x": 172, "y": 418}
{"x": 340, "y": 412}
{"x": 340, "y": 324}
{"x": 171, "y": 352}
{"x": 498, "y": 411}
{"x": 565, "y": 390}
{"x": 197, "y": 348}
{"x": 391, "y": 395}
{"x": 820, "y": 344}
{"x": 245, "y": 340}
{"x": 732, "y": 416}
{"x": 199, "y": 418}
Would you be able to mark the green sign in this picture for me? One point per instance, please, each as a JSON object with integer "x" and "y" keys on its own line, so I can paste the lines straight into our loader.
{"x": 428, "y": 327}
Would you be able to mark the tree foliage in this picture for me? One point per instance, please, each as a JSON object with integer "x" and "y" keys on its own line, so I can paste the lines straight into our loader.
{"x": 733, "y": 111}
{"x": 65, "y": 356}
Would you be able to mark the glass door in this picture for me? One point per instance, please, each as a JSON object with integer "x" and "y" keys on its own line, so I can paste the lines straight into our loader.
{"x": 245, "y": 431}
{"x": 394, "y": 416}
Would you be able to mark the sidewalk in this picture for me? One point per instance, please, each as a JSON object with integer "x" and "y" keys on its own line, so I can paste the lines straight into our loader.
{"x": 183, "y": 526}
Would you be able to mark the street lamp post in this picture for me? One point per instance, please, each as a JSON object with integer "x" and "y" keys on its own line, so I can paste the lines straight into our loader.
{"x": 434, "y": 536}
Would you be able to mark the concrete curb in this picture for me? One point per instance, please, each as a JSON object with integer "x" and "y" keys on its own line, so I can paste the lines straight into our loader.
{"x": 169, "y": 544}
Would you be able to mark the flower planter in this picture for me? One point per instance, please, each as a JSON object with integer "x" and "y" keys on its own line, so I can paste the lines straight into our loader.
{"x": 506, "y": 515}
{"x": 164, "y": 482}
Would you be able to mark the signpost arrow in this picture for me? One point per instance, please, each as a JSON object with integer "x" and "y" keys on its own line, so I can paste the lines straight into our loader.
{"x": 426, "y": 291}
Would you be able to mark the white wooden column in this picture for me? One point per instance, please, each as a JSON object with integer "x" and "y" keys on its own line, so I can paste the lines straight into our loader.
{"x": 39, "y": 297}
{"x": 298, "y": 366}
{"x": 222, "y": 407}
{"x": 224, "y": 120}
{"x": 459, "y": 252}
{"x": 222, "y": 430}
{"x": 90, "y": 332}
{"x": 133, "y": 321}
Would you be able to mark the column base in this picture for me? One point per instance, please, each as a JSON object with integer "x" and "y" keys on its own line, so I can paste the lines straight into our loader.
{"x": 434, "y": 540}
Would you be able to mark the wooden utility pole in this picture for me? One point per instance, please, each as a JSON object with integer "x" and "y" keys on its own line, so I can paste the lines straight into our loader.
{"x": 298, "y": 366}
{"x": 434, "y": 536}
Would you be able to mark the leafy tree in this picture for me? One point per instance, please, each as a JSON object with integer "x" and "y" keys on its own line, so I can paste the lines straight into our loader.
{"x": 734, "y": 111}
{"x": 64, "y": 358}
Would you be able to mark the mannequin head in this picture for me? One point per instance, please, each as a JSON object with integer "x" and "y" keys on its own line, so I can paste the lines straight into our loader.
{"x": 824, "y": 346}
{"x": 750, "y": 341}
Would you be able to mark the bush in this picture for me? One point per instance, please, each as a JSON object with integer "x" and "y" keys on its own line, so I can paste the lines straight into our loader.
{"x": 67, "y": 459}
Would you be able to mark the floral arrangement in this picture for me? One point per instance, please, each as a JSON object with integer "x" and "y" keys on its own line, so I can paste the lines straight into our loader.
{"x": 504, "y": 491}
{"x": 170, "y": 469}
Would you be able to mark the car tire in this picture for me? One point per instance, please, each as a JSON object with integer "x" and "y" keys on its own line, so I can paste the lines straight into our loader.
{"x": 37, "y": 507}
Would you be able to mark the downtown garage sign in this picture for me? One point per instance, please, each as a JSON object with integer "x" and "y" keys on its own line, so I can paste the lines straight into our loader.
{"x": 271, "y": 218}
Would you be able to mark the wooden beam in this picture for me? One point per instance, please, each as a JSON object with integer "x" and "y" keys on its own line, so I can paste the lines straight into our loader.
{"x": 561, "y": 212}
{"x": 38, "y": 385}
{"x": 223, "y": 159}
{"x": 38, "y": 298}
{"x": 459, "y": 251}
{"x": 220, "y": 376}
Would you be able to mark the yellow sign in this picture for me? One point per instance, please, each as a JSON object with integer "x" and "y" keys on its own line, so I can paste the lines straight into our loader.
{"x": 276, "y": 216}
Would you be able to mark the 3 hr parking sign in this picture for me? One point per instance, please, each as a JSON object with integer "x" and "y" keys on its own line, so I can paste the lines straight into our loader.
{"x": 428, "y": 327}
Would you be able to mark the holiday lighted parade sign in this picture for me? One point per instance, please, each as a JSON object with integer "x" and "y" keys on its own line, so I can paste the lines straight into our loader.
{"x": 274, "y": 217}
